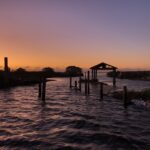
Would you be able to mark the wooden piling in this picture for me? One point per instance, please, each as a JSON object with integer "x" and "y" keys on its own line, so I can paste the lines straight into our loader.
{"x": 70, "y": 82}
{"x": 80, "y": 83}
{"x": 114, "y": 77}
{"x": 85, "y": 83}
{"x": 75, "y": 84}
{"x": 96, "y": 75}
{"x": 40, "y": 90}
{"x": 43, "y": 89}
{"x": 88, "y": 83}
{"x": 92, "y": 74}
{"x": 125, "y": 98}
{"x": 101, "y": 91}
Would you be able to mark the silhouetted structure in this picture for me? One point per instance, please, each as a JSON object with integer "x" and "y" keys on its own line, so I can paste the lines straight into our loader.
{"x": 103, "y": 66}
{"x": 6, "y": 68}
{"x": 6, "y": 73}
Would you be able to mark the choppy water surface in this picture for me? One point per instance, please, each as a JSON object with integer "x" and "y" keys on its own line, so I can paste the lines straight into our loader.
{"x": 69, "y": 120}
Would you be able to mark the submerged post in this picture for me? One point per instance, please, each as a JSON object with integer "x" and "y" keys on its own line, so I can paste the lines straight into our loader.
{"x": 114, "y": 77}
{"x": 92, "y": 74}
{"x": 125, "y": 98}
{"x": 85, "y": 84}
{"x": 75, "y": 84}
{"x": 80, "y": 83}
{"x": 96, "y": 75}
{"x": 101, "y": 91}
{"x": 44, "y": 89}
{"x": 70, "y": 82}
{"x": 40, "y": 90}
{"x": 88, "y": 83}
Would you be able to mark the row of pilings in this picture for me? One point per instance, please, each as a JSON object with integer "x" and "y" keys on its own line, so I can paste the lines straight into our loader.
{"x": 83, "y": 83}
{"x": 86, "y": 81}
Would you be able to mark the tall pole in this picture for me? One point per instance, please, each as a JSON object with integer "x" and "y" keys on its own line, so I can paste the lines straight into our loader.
{"x": 6, "y": 72}
{"x": 6, "y": 64}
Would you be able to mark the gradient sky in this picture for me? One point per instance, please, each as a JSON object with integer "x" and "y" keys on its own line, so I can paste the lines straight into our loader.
{"x": 58, "y": 33}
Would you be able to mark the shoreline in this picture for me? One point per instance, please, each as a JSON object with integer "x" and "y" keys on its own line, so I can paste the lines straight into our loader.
{"x": 13, "y": 79}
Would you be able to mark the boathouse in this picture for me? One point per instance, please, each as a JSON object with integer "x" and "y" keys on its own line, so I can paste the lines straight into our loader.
{"x": 103, "y": 66}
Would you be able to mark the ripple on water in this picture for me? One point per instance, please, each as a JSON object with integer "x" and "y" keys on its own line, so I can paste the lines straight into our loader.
{"x": 69, "y": 120}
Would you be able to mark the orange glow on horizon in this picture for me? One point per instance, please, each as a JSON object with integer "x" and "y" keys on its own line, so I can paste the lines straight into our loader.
{"x": 37, "y": 63}
{"x": 47, "y": 34}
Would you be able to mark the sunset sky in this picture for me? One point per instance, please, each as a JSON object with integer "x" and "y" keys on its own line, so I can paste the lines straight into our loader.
{"x": 58, "y": 33}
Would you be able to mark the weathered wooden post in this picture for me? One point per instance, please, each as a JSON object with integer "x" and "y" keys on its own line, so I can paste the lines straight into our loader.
{"x": 96, "y": 75}
{"x": 114, "y": 77}
{"x": 40, "y": 89}
{"x": 85, "y": 82}
{"x": 44, "y": 89}
{"x": 75, "y": 84}
{"x": 125, "y": 98}
{"x": 88, "y": 83}
{"x": 101, "y": 90}
{"x": 92, "y": 75}
{"x": 80, "y": 83}
{"x": 70, "y": 82}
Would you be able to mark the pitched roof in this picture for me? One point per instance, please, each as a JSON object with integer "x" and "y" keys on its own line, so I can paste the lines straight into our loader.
{"x": 103, "y": 66}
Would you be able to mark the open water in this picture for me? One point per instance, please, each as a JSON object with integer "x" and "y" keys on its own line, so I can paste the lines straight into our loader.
{"x": 69, "y": 120}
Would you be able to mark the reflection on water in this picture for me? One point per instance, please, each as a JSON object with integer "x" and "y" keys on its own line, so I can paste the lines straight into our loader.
{"x": 69, "y": 120}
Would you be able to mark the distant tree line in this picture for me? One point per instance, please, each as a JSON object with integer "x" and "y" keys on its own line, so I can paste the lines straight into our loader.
{"x": 73, "y": 71}
{"x": 21, "y": 76}
{"x": 50, "y": 72}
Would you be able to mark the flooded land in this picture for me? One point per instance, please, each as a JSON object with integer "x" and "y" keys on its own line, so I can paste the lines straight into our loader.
{"x": 70, "y": 120}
